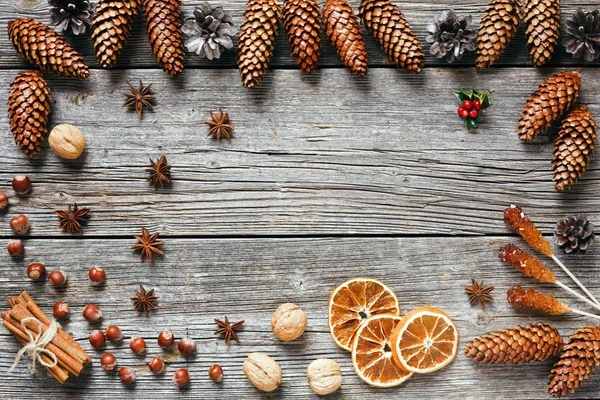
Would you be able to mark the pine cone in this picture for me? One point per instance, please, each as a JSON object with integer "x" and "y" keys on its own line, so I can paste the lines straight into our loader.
{"x": 111, "y": 27}
{"x": 209, "y": 31}
{"x": 390, "y": 29}
{"x": 574, "y": 147}
{"x": 497, "y": 28}
{"x": 44, "y": 48}
{"x": 523, "y": 344}
{"x": 583, "y": 35}
{"x": 542, "y": 28}
{"x": 342, "y": 28}
{"x": 551, "y": 101}
{"x": 451, "y": 36}
{"x": 71, "y": 15}
{"x": 302, "y": 19}
{"x": 28, "y": 109}
{"x": 163, "y": 23}
{"x": 257, "y": 39}
{"x": 574, "y": 234}
{"x": 578, "y": 360}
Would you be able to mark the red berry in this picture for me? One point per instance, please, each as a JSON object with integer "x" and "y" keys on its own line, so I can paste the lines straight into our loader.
{"x": 468, "y": 104}
{"x": 473, "y": 113}
{"x": 477, "y": 105}
{"x": 462, "y": 112}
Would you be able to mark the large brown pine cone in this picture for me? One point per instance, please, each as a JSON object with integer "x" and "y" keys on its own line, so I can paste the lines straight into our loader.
{"x": 577, "y": 362}
{"x": 257, "y": 39}
{"x": 28, "y": 109}
{"x": 542, "y": 28}
{"x": 302, "y": 19}
{"x": 552, "y": 100}
{"x": 523, "y": 344}
{"x": 342, "y": 28}
{"x": 163, "y": 23}
{"x": 111, "y": 27}
{"x": 497, "y": 28}
{"x": 44, "y": 48}
{"x": 387, "y": 24}
{"x": 574, "y": 147}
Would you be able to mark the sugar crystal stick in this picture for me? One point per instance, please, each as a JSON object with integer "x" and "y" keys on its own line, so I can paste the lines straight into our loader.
{"x": 533, "y": 268}
{"x": 515, "y": 219}
{"x": 545, "y": 303}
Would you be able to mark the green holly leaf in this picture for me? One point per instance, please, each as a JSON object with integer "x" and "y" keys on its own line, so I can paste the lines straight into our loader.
{"x": 471, "y": 123}
{"x": 462, "y": 96}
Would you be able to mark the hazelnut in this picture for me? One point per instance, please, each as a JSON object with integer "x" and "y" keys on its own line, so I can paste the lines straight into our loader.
{"x": 21, "y": 184}
{"x": 108, "y": 361}
{"x": 20, "y": 224}
{"x": 35, "y": 271}
{"x": 181, "y": 377}
{"x": 262, "y": 371}
{"x": 114, "y": 334}
{"x": 137, "y": 345}
{"x": 15, "y": 247}
{"x": 288, "y": 322}
{"x": 96, "y": 276}
{"x": 166, "y": 339}
{"x": 157, "y": 366}
{"x": 324, "y": 376}
{"x": 3, "y": 200}
{"x": 186, "y": 346}
{"x": 60, "y": 310}
{"x": 215, "y": 372}
{"x": 92, "y": 313}
{"x": 127, "y": 375}
{"x": 58, "y": 277}
{"x": 97, "y": 339}
{"x": 66, "y": 141}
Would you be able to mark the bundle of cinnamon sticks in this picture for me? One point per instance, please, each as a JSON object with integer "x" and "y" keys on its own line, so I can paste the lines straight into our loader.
{"x": 70, "y": 355}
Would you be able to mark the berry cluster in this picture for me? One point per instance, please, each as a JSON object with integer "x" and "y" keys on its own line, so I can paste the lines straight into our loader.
{"x": 472, "y": 104}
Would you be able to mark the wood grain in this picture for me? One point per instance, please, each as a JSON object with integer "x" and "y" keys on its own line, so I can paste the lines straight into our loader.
{"x": 319, "y": 156}
{"x": 202, "y": 279}
{"x": 418, "y": 13}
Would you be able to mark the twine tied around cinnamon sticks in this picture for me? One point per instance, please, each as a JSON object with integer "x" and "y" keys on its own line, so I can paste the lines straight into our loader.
{"x": 37, "y": 345}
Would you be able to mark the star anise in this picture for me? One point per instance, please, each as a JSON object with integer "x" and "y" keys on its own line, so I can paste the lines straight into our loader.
{"x": 139, "y": 97}
{"x": 228, "y": 329}
{"x": 160, "y": 172}
{"x": 144, "y": 300}
{"x": 148, "y": 244}
{"x": 72, "y": 219}
{"x": 479, "y": 292}
{"x": 219, "y": 125}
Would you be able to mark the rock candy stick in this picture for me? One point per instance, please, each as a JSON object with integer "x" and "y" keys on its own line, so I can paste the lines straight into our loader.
{"x": 515, "y": 219}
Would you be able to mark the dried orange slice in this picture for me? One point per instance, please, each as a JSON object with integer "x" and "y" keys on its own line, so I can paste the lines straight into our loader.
{"x": 372, "y": 352}
{"x": 353, "y": 302}
{"x": 425, "y": 340}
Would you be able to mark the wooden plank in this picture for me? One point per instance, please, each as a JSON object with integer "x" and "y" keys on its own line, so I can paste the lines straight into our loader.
{"x": 418, "y": 13}
{"x": 199, "y": 280}
{"x": 324, "y": 155}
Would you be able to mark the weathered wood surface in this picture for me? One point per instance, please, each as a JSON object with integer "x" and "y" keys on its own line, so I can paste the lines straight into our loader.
{"x": 320, "y": 155}
{"x": 200, "y": 279}
{"x": 418, "y": 14}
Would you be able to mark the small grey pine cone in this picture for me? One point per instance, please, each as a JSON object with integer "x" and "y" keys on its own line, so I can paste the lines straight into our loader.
{"x": 71, "y": 15}
{"x": 209, "y": 31}
{"x": 574, "y": 234}
{"x": 583, "y": 35}
{"x": 451, "y": 36}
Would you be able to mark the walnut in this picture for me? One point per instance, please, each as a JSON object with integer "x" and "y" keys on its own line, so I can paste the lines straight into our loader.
{"x": 288, "y": 322}
{"x": 324, "y": 376}
{"x": 67, "y": 141}
{"x": 262, "y": 371}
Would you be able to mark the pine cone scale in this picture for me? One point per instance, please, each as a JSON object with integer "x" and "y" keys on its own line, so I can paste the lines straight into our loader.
{"x": 342, "y": 28}
{"x": 163, "y": 23}
{"x": 41, "y": 46}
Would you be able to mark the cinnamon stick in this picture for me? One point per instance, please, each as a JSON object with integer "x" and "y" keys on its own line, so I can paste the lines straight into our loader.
{"x": 67, "y": 362}
{"x": 56, "y": 372}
